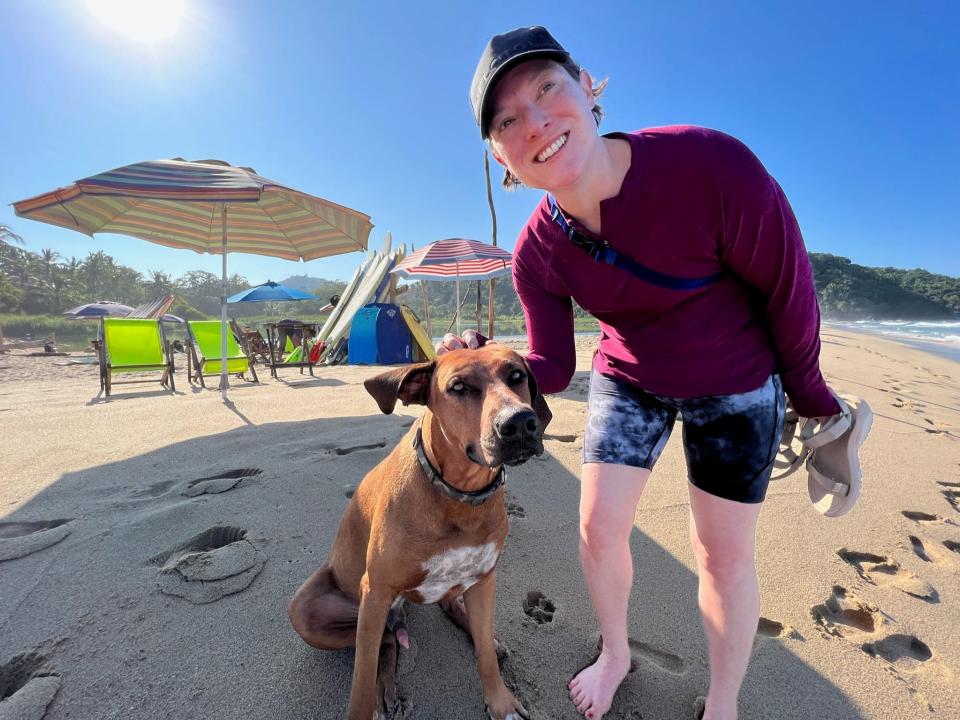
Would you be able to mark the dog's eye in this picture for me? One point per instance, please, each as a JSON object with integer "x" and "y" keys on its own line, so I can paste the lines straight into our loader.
{"x": 458, "y": 388}
{"x": 517, "y": 376}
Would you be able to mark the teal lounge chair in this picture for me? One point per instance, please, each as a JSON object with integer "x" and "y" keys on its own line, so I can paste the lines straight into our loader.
{"x": 133, "y": 345}
{"x": 203, "y": 343}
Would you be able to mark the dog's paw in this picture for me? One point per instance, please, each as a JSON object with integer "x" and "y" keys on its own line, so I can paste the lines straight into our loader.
{"x": 399, "y": 709}
{"x": 506, "y": 707}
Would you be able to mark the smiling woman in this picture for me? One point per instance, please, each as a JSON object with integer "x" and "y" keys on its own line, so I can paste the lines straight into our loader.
{"x": 144, "y": 20}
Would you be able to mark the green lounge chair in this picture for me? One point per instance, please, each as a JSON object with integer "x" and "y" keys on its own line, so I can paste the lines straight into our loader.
{"x": 133, "y": 345}
{"x": 204, "y": 352}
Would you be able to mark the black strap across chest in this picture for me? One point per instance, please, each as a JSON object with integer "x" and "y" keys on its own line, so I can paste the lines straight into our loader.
{"x": 601, "y": 251}
{"x": 477, "y": 497}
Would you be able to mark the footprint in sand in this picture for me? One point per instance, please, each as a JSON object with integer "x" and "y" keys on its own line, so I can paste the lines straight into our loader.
{"x": 219, "y": 561}
{"x": 952, "y": 494}
{"x": 882, "y": 571}
{"x": 641, "y": 652}
{"x": 515, "y": 509}
{"x": 19, "y": 539}
{"x": 904, "y": 652}
{"x": 952, "y": 545}
{"x": 334, "y": 450}
{"x": 155, "y": 490}
{"x": 774, "y": 629}
{"x": 216, "y": 484}
{"x": 28, "y": 684}
{"x": 561, "y": 438}
{"x": 645, "y": 653}
{"x": 925, "y": 517}
{"x": 843, "y": 613}
{"x": 928, "y": 553}
{"x": 537, "y": 606}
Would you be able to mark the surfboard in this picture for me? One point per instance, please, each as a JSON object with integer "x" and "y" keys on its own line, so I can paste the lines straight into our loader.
{"x": 364, "y": 294}
{"x": 383, "y": 291}
{"x": 348, "y": 291}
{"x": 420, "y": 338}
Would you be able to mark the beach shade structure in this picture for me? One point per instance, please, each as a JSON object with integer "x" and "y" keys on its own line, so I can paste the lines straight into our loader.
{"x": 208, "y": 206}
{"x": 95, "y": 310}
{"x": 455, "y": 259}
{"x": 270, "y": 291}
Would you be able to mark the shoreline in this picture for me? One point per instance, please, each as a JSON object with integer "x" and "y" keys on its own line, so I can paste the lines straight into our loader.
{"x": 941, "y": 348}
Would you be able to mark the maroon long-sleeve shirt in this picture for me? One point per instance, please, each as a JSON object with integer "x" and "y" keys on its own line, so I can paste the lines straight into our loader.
{"x": 694, "y": 202}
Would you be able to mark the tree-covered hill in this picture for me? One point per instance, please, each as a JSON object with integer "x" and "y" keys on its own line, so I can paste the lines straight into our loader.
{"x": 46, "y": 284}
{"x": 854, "y": 292}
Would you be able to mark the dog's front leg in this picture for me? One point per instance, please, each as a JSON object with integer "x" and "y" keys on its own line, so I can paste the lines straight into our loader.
{"x": 479, "y": 600}
{"x": 374, "y": 606}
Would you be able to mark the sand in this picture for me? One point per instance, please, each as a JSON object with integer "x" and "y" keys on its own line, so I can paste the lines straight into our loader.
{"x": 149, "y": 545}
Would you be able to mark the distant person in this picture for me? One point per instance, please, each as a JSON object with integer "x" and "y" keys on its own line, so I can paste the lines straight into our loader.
{"x": 687, "y": 252}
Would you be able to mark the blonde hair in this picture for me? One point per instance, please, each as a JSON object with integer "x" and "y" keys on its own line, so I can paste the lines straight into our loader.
{"x": 510, "y": 181}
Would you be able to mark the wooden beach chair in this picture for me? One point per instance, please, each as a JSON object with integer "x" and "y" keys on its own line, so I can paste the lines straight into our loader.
{"x": 253, "y": 343}
{"x": 203, "y": 352}
{"x": 133, "y": 345}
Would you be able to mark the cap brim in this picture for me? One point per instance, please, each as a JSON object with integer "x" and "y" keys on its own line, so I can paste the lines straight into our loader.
{"x": 498, "y": 75}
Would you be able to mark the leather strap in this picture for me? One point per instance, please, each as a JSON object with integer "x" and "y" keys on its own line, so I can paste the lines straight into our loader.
{"x": 477, "y": 497}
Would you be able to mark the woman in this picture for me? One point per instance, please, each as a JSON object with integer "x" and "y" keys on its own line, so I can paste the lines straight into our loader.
{"x": 706, "y": 308}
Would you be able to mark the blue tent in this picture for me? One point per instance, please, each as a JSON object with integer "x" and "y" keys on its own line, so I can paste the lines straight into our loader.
{"x": 379, "y": 336}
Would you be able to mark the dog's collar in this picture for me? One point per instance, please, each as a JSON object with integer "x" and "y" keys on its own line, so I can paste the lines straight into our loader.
{"x": 477, "y": 497}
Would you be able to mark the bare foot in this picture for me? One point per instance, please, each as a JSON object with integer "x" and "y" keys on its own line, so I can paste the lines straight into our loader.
{"x": 593, "y": 688}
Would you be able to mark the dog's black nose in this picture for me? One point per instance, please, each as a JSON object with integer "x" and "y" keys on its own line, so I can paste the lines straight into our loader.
{"x": 516, "y": 425}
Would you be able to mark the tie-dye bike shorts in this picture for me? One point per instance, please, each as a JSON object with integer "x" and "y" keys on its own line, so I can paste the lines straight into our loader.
{"x": 730, "y": 440}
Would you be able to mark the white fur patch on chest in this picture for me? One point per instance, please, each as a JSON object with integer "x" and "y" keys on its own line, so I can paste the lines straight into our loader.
{"x": 456, "y": 566}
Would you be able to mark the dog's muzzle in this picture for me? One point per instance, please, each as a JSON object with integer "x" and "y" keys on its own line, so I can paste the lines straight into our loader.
{"x": 519, "y": 435}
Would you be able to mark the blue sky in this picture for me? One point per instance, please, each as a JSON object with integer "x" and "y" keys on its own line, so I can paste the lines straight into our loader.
{"x": 853, "y": 107}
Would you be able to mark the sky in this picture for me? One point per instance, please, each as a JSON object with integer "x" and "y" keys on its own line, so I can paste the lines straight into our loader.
{"x": 854, "y": 107}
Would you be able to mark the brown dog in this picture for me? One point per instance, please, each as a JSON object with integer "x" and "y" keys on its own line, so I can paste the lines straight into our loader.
{"x": 427, "y": 524}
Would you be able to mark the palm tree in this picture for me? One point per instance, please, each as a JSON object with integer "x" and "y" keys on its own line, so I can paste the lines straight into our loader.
{"x": 158, "y": 283}
{"x": 7, "y": 236}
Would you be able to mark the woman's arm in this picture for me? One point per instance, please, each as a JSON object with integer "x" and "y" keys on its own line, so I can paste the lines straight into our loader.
{"x": 762, "y": 245}
{"x": 549, "y": 318}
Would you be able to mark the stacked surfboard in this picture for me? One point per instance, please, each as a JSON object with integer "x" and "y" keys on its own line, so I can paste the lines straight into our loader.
{"x": 370, "y": 283}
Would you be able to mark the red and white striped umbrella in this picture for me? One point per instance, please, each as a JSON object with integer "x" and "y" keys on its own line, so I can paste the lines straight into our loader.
{"x": 455, "y": 259}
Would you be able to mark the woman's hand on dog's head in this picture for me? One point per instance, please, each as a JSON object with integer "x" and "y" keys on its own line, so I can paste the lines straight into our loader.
{"x": 471, "y": 339}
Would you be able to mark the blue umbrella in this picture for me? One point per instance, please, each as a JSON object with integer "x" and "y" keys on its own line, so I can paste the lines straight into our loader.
{"x": 269, "y": 291}
{"x": 97, "y": 310}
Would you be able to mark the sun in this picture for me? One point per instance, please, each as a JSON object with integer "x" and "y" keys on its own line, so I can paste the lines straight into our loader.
{"x": 143, "y": 20}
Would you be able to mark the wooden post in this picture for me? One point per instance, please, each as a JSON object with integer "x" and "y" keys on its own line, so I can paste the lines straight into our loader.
{"x": 491, "y": 296}
{"x": 479, "y": 306}
{"x": 426, "y": 308}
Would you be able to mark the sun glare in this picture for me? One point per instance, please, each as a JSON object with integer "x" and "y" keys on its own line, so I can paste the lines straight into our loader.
{"x": 143, "y": 20}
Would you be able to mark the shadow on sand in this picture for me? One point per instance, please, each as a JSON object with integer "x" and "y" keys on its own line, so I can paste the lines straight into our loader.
{"x": 90, "y": 608}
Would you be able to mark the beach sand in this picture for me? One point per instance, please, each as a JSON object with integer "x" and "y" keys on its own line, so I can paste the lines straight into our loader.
{"x": 103, "y": 500}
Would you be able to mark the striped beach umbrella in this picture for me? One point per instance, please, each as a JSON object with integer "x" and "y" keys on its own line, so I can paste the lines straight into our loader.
{"x": 455, "y": 259}
{"x": 207, "y": 206}
{"x": 98, "y": 310}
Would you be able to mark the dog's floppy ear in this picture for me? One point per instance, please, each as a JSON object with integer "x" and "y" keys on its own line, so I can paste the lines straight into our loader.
{"x": 409, "y": 384}
{"x": 537, "y": 402}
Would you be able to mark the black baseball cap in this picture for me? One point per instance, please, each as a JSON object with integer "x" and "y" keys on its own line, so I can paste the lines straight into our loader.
{"x": 502, "y": 53}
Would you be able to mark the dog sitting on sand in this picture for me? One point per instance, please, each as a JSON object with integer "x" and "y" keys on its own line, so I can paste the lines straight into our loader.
{"x": 427, "y": 524}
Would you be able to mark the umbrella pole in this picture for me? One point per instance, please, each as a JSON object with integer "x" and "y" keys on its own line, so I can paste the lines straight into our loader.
{"x": 458, "y": 299}
{"x": 224, "y": 382}
{"x": 491, "y": 294}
